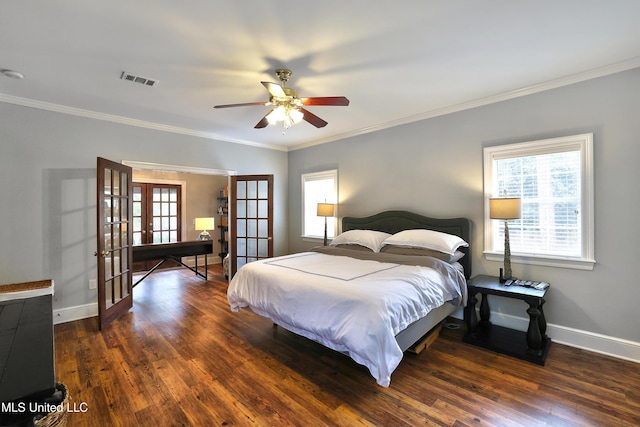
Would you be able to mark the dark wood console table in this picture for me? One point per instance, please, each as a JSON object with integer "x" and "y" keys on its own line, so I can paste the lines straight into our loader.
{"x": 532, "y": 346}
{"x": 174, "y": 251}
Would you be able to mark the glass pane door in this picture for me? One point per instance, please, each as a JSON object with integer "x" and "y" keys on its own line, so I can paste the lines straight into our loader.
{"x": 165, "y": 218}
{"x": 114, "y": 240}
{"x": 251, "y": 219}
{"x": 157, "y": 217}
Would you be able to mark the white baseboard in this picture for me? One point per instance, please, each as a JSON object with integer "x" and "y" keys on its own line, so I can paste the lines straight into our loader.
{"x": 597, "y": 343}
{"x": 211, "y": 260}
{"x": 78, "y": 312}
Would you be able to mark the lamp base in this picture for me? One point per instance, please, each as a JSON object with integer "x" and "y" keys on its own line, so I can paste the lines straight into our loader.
{"x": 325, "y": 232}
{"x": 507, "y": 256}
{"x": 204, "y": 235}
{"x": 502, "y": 278}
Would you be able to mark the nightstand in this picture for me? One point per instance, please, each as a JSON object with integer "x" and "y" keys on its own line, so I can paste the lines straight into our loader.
{"x": 532, "y": 346}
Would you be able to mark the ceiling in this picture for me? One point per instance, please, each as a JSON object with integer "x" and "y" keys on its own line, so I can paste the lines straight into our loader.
{"x": 397, "y": 62}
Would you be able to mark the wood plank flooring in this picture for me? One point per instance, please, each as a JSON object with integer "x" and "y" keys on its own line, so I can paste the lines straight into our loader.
{"x": 180, "y": 357}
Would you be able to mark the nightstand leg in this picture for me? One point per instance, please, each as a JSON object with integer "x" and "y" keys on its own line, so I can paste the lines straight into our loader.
{"x": 542, "y": 322}
{"x": 485, "y": 311}
{"x": 534, "y": 338}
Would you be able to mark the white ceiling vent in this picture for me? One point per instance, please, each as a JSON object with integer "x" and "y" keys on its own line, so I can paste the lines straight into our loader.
{"x": 137, "y": 79}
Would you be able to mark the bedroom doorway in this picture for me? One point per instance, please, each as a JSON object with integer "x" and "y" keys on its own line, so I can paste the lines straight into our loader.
{"x": 250, "y": 219}
{"x": 114, "y": 231}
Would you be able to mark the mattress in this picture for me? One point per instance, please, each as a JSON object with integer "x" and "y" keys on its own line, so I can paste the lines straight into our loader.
{"x": 350, "y": 301}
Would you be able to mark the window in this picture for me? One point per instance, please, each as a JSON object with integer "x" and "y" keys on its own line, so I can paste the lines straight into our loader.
{"x": 319, "y": 187}
{"x": 554, "y": 179}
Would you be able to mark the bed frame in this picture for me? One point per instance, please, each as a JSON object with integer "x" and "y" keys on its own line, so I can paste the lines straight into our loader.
{"x": 397, "y": 220}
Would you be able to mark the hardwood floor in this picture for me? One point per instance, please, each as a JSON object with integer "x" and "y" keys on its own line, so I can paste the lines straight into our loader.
{"x": 181, "y": 357}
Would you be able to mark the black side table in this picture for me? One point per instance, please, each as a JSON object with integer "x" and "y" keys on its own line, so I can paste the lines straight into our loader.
{"x": 532, "y": 346}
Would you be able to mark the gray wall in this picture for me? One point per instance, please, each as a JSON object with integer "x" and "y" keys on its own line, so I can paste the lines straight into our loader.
{"x": 434, "y": 167}
{"x": 48, "y": 195}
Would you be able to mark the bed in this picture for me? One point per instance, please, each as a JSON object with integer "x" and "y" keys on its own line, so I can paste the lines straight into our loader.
{"x": 371, "y": 300}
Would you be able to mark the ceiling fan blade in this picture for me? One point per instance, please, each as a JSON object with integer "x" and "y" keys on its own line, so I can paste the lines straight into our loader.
{"x": 326, "y": 100}
{"x": 313, "y": 119}
{"x": 263, "y": 123}
{"x": 274, "y": 89}
{"x": 246, "y": 104}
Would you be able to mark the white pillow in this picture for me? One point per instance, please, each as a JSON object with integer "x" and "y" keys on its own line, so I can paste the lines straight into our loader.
{"x": 429, "y": 239}
{"x": 368, "y": 238}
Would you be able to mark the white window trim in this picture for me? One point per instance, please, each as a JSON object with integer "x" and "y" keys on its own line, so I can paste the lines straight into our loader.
{"x": 333, "y": 173}
{"x": 584, "y": 143}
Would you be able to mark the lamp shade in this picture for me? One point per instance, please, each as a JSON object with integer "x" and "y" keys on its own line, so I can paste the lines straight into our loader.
{"x": 505, "y": 208}
{"x": 205, "y": 224}
{"x": 326, "y": 209}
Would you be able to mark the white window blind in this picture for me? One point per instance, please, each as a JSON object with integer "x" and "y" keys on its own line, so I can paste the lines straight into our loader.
{"x": 549, "y": 187}
{"x": 554, "y": 180}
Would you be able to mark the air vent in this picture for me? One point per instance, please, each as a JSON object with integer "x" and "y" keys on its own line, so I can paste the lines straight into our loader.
{"x": 138, "y": 79}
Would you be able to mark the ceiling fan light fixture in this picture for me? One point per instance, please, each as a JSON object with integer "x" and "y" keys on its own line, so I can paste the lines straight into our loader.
{"x": 296, "y": 115}
{"x": 286, "y": 114}
{"x": 276, "y": 115}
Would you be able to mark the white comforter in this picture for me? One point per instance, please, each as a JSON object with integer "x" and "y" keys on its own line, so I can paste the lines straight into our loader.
{"x": 349, "y": 305}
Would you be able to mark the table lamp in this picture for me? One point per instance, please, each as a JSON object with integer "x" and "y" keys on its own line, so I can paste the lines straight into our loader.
{"x": 505, "y": 208}
{"x": 205, "y": 224}
{"x": 326, "y": 210}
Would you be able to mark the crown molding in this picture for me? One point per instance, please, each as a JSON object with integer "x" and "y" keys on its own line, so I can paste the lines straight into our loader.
{"x": 63, "y": 109}
{"x": 505, "y": 96}
{"x": 517, "y": 93}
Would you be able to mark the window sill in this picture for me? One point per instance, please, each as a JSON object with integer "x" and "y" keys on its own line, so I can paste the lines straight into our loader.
{"x": 314, "y": 239}
{"x": 573, "y": 263}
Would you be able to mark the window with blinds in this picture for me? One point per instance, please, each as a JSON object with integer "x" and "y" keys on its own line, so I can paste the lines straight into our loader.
{"x": 553, "y": 179}
{"x": 318, "y": 187}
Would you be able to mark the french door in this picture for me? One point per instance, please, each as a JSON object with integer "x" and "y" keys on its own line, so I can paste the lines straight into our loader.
{"x": 156, "y": 217}
{"x": 114, "y": 253}
{"x": 251, "y": 219}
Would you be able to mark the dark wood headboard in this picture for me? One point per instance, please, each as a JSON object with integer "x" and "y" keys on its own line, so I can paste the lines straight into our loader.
{"x": 394, "y": 221}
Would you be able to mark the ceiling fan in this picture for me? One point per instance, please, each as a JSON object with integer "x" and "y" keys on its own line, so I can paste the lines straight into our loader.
{"x": 287, "y": 106}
